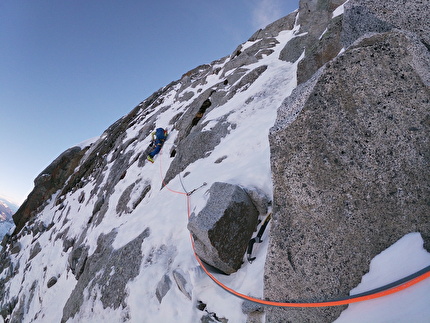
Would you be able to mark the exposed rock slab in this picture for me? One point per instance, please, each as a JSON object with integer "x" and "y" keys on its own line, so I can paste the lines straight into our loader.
{"x": 319, "y": 37}
{"x": 107, "y": 271}
{"x": 351, "y": 172}
{"x": 49, "y": 181}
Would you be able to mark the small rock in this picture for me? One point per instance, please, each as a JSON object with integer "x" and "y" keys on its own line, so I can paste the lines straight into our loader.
{"x": 51, "y": 282}
{"x": 163, "y": 287}
{"x": 16, "y": 247}
{"x": 182, "y": 283}
{"x": 35, "y": 250}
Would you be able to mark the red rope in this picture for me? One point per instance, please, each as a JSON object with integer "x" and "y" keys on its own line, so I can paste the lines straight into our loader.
{"x": 344, "y": 301}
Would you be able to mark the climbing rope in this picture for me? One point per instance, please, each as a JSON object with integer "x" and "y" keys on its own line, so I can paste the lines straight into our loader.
{"x": 388, "y": 289}
{"x": 385, "y": 290}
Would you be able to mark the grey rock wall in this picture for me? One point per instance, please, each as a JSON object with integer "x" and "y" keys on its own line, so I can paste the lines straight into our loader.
{"x": 107, "y": 272}
{"x": 318, "y": 37}
{"x": 365, "y": 16}
{"x": 49, "y": 181}
{"x": 350, "y": 157}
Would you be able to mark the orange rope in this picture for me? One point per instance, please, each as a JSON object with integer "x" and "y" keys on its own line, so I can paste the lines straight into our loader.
{"x": 344, "y": 301}
{"x": 173, "y": 191}
{"x": 164, "y": 183}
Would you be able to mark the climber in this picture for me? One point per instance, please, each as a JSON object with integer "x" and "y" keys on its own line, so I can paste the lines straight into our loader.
{"x": 158, "y": 138}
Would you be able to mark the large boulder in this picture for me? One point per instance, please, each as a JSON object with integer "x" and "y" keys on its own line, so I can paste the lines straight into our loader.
{"x": 350, "y": 156}
{"x": 223, "y": 228}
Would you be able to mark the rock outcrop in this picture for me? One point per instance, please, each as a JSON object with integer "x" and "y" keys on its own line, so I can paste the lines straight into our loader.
{"x": 366, "y": 16}
{"x": 318, "y": 37}
{"x": 122, "y": 265}
{"x": 350, "y": 156}
{"x": 224, "y": 226}
{"x": 51, "y": 179}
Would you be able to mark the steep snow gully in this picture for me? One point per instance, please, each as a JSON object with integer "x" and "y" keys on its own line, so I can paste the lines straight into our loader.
{"x": 106, "y": 237}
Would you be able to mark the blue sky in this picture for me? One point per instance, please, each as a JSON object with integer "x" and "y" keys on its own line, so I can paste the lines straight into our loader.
{"x": 70, "y": 68}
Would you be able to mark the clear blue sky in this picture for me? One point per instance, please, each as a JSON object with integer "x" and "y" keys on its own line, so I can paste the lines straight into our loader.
{"x": 70, "y": 68}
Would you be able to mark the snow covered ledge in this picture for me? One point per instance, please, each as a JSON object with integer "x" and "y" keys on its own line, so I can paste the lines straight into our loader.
{"x": 403, "y": 258}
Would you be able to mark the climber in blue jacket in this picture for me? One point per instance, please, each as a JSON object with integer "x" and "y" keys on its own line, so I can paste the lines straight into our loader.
{"x": 158, "y": 138}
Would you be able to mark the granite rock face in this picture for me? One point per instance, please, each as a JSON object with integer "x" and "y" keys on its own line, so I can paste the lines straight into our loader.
{"x": 318, "y": 39}
{"x": 367, "y": 16}
{"x": 49, "y": 181}
{"x": 224, "y": 226}
{"x": 350, "y": 156}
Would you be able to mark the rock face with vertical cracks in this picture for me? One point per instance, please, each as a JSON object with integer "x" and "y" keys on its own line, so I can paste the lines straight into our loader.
{"x": 351, "y": 171}
{"x": 318, "y": 39}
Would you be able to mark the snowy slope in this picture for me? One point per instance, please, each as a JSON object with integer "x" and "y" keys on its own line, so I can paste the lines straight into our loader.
{"x": 163, "y": 212}
{"x": 168, "y": 247}
{"x": 403, "y": 258}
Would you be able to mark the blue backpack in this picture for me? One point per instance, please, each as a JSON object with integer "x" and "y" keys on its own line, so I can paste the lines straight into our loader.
{"x": 160, "y": 133}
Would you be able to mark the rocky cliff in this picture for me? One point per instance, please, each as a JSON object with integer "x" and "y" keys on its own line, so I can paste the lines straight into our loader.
{"x": 341, "y": 94}
{"x": 350, "y": 154}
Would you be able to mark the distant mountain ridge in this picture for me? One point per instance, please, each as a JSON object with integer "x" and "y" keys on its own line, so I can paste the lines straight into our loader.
{"x": 7, "y": 206}
{"x": 7, "y": 209}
